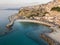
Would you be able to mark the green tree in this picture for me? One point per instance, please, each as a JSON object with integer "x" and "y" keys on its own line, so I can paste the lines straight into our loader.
{"x": 56, "y": 9}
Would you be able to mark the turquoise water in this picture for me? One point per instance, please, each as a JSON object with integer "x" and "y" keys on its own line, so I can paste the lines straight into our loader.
{"x": 22, "y": 33}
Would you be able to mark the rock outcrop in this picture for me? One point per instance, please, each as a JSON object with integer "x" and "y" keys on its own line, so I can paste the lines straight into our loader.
{"x": 35, "y": 11}
{"x": 40, "y": 12}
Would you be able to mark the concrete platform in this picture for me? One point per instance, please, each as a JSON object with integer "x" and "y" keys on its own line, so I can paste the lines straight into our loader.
{"x": 52, "y": 37}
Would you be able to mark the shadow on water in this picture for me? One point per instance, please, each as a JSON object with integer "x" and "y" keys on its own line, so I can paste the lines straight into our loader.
{"x": 6, "y": 31}
{"x": 35, "y": 33}
{"x": 30, "y": 30}
{"x": 36, "y": 37}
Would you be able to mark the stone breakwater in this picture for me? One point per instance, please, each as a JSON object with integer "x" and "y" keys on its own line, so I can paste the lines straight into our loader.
{"x": 53, "y": 38}
{"x": 49, "y": 40}
{"x": 11, "y": 20}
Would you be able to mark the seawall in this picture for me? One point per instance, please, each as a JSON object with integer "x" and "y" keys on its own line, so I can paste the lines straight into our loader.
{"x": 49, "y": 40}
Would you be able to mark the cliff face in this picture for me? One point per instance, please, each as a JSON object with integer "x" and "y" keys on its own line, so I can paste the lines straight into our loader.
{"x": 43, "y": 10}
{"x": 38, "y": 10}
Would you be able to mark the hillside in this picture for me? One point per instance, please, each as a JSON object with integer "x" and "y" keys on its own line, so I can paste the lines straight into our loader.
{"x": 49, "y": 12}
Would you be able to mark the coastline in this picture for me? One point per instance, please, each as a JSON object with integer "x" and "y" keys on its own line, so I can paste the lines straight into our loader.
{"x": 52, "y": 38}
{"x": 43, "y": 16}
{"x": 49, "y": 40}
{"x": 44, "y": 36}
{"x": 35, "y": 21}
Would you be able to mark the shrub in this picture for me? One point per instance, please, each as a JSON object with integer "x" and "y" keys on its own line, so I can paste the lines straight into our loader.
{"x": 56, "y": 9}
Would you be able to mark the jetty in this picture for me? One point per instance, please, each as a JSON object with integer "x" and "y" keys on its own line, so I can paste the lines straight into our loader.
{"x": 52, "y": 38}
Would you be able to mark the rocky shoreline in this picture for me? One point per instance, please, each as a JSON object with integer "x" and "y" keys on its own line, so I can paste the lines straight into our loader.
{"x": 41, "y": 14}
{"x": 49, "y": 40}
{"x": 52, "y": 38}
{"x": 45, "y": 37}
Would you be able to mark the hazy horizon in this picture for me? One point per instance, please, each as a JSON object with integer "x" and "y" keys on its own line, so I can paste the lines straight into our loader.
{"x": 20, "y": 3}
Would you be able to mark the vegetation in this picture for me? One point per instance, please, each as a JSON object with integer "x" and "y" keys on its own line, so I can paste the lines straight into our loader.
{"x": 39, "y": 13}
{"x": 32, "y": 13}
{"x": 56, "y": 9}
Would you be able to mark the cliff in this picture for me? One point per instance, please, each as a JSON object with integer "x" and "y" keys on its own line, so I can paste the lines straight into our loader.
{"x": 41, "y": 11}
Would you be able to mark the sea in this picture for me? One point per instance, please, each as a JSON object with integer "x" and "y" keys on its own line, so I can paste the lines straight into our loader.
{"x": 22, "y": 33}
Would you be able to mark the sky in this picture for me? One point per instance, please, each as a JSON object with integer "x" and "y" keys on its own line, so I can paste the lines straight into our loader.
{"x": 20, "y": 3}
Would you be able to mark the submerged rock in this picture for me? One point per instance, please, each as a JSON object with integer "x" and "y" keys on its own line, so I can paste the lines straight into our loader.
{"x": 5, "y": 31}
